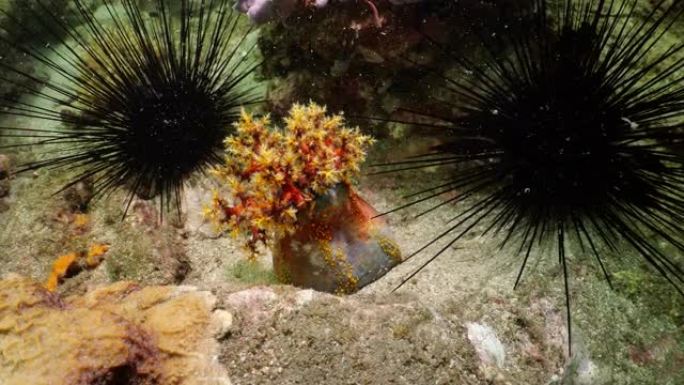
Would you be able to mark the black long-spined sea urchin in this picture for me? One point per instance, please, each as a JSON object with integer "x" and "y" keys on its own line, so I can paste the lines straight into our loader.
{"x": 571, "y": 135}
{"x": 150, "y": 97}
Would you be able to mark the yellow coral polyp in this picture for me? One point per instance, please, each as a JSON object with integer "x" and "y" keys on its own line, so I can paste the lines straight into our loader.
{"x": 273, "y": 172}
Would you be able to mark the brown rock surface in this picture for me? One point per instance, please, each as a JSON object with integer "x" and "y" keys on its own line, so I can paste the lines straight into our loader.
{"x": 118, "y": 334}
{"x": 287, "y": 336}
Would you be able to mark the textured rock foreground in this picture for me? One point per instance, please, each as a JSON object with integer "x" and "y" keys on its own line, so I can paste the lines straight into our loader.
{"x": 119, "y": 334}
{"x": 125, "y": 334}
{"x": 283, "y": 335}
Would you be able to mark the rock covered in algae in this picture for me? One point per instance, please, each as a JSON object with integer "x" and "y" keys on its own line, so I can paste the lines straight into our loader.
{"x": 118, "y": 334}
{"x": 284, "y": 335}
{"x": 338, "y": 246}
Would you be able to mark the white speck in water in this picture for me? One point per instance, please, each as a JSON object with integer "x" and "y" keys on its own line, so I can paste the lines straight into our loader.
{"x": 632, "y": 125}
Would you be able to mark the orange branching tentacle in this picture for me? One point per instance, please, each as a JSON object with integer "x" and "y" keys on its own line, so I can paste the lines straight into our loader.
{"x": 275, "y": 173}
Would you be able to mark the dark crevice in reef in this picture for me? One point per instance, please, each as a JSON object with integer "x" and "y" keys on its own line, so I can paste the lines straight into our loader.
{"x": 121, "y": 375}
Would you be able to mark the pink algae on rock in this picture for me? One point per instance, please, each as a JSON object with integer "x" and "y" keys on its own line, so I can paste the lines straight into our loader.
{"x": 119, "y": 334}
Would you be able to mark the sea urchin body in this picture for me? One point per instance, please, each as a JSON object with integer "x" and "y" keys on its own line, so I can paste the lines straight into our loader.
{"x": 569, "y": 135}
{"x": 149, "y": 98}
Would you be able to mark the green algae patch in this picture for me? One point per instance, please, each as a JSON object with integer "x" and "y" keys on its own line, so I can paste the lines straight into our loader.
{"x": 252, "y": 273}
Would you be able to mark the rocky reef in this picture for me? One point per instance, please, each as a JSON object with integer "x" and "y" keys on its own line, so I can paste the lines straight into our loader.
{"x": 125, "y": 333}
{"x": 175, "y": 302}
{"x": 368, "y": 57}
{"x": 118, "y": 334}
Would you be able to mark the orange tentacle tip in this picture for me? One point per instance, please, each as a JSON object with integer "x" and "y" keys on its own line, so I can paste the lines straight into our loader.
{"x": 73, "y": 263}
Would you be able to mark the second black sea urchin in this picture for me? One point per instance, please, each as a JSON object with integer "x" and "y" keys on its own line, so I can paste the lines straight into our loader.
{"x": 149, "y": 96}
{"x": 570, "y": 133}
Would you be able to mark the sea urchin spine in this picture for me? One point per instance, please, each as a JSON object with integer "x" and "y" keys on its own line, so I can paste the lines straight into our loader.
{"x": 569, "y": 134}
{"x": 150, "y": 97}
